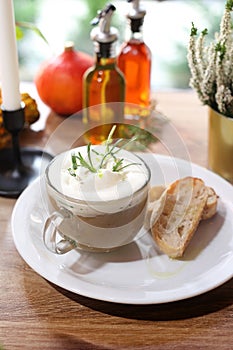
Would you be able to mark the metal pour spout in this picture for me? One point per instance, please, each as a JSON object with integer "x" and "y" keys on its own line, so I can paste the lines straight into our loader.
{"x": 104, "y": 33}
{"x": 136, "y": 12}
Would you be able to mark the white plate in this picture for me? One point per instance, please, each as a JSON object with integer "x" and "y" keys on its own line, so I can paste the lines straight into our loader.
{"x": 136, "y": 273}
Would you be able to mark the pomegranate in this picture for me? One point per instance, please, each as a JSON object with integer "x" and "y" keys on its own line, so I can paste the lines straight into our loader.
{"x": 59, "y": 80}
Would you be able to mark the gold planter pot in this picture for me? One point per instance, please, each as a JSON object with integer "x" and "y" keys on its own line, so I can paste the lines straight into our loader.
{"x": 220, "y": 144}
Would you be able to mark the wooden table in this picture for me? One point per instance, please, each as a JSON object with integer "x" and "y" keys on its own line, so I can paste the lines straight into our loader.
{"x": 35, "y": 314}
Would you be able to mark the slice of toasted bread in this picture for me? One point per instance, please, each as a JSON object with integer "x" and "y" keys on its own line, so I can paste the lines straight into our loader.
{"x": 181, "y": 214}
{"x": 155, "y": 192}
{"x": 210, "y": 207}
{"x": 154, "y": 204}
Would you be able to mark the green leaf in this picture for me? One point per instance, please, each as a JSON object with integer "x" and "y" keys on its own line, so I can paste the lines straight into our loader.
{"x": 119, "y": 168}
{"x": 74, "y": 162}
{"x": 19, "y": 33}
{"x": 221, "y": 49}
{"x": 85, "y": 164}
{"x": 205, "y": 31}
{"x": 89, "y": 154}
{"x": 110, "y": 152}
{"x": 71, "y": 171}
{"x": 193, "y": 30}
{"x": 143, "y": 137}
{"x": 229, "y": 5}
{"x": 117, "y": 164}
{"x": 31, "y": 26}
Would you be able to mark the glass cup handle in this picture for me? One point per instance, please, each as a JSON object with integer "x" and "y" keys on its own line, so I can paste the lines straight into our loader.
{"x": 50, "y": 234}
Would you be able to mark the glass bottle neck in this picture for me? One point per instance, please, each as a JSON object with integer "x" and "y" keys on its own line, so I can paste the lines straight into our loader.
{"x": 134, "y": 31}
{"x": 105, "y": 61}
{"x": 105, "y": 50}
{"x": 137, "y": 36}
{"x": 105, "y": 54}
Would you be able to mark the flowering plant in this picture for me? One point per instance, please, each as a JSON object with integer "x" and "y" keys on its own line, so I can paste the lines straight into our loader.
{"x": 211, "y": 66}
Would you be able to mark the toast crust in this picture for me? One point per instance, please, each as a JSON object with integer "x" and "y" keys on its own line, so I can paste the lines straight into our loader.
{"x": 154, "y": 206}
{"x": 210, "y": 208}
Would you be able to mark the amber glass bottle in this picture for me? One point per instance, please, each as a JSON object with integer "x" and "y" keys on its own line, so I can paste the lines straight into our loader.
{"x": 104, "y": 84}
{"x": 134, "y": 61}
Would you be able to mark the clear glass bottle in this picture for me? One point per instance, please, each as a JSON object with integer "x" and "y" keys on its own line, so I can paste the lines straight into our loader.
{"x": 104, "y": 84}
{"x": 134, "y": 60}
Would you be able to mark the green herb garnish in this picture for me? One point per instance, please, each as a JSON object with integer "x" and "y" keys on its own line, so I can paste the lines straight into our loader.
{"x": 118, "y": 165}
{"x": 110, "y": 151}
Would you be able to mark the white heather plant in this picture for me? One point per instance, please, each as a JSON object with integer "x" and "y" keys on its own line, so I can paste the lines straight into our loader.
{"x": 211, "y": 66}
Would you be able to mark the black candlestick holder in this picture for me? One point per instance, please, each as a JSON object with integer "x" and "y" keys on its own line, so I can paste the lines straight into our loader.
{"x": 18, "y": 166}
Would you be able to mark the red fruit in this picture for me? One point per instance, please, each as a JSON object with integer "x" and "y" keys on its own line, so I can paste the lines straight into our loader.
{"x": 59, "y": 80}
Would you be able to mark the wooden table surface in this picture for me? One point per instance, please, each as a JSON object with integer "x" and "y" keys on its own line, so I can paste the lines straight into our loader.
{"x": 35, "y": 314}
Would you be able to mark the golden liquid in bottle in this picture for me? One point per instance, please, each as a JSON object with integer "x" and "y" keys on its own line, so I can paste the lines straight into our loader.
{"x": 135, "y": 63}
{"x": 104, "y": 95}
{"x": 99, "y": 134}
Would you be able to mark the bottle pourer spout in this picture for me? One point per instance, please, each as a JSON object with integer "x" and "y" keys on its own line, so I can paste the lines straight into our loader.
{"x": 135, "y": 4}
{"x": 104, "y": 33}
{"x": 136, "y": 11}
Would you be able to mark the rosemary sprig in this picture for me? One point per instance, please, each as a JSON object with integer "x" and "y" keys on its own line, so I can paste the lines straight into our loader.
{"x": 117, "y": 167}
{"x": 111, "y": 151}
{"x": 109, "y": 138}
{"x": 89, "y": 155}
{"x": 74, "y": 162}
{"x": 84, "y": 163}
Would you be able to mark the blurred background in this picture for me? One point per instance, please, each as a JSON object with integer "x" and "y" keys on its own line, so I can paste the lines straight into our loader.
{"x": 166, "y": 31}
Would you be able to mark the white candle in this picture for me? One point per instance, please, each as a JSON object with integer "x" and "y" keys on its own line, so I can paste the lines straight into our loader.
{"x": 9, "y": 70}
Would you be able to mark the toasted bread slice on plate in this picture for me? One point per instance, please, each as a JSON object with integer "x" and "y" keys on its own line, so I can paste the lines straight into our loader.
{"x": 182, "y": 211}
{"x": 211, "y": 204}
{"x": 155, "y": 204}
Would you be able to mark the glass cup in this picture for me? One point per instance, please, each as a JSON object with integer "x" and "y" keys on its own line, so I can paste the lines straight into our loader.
{"x": 88, "y": 220}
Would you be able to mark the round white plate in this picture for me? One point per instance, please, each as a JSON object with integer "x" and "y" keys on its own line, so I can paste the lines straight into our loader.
{"x": 136, "y": 273}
